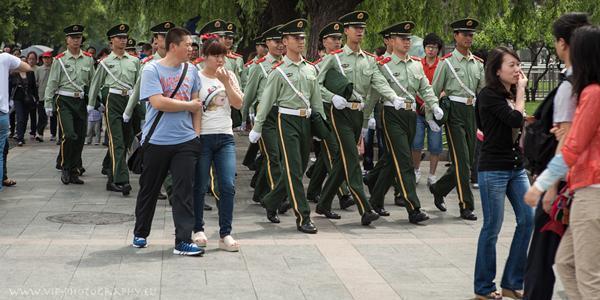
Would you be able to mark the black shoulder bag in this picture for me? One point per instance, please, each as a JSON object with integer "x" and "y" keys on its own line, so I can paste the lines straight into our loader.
{"x": 136, "y": 159}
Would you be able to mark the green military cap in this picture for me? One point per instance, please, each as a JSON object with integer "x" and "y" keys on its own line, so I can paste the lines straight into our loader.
{"x": 295, "y": 27}
{"x": 130, "y": 44}
{"x": 118, "y": 30}
{"x": 402, "y": 29}
{"x": 355, "y": 18}
{"x": 272, "y": 33}
{"x": 73, "y": 30}
{"x": 162, "y": 28}
{"x": 216, "y": 26}
{"x": 230, "y": 29}
{"x": 338, "y": 84}
{"x": 385, "y": 33}
{"x": 467, "y": 24}
{"x": 259, "y": 40}
{"x": 444, "y": 104}
{"x": 331, "y": 29}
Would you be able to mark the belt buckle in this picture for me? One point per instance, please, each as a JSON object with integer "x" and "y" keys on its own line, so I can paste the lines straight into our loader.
{"x": 123, "y": 92}
{"x": 302, "y": 113}
{"x": 469, "y": 100}
{"x": 407, "y": 106}
{"x": 354, "y": 105}
{"x": 76, "y": 95}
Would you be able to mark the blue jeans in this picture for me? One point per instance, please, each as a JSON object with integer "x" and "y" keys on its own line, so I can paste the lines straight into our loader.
{"x": 217, "y": 150}
{"x": 493, "y": 186}
{"x": 434, "y": 139}
{"x": 3, "y": 139}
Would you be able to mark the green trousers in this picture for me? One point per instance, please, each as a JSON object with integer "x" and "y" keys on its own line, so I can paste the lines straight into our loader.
{"x": 323, "y": 164}
{"x": 72, "y": 119}
{"x": 396, "y": 165}
{"x": 120, "y": 136}
{"x": 460, "y": 133}
{"x": 270, "y": 169}
{"x": 346, "y": 125}
{"x": 294, "y": 137}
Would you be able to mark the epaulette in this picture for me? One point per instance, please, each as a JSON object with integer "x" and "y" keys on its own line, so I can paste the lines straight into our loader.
{"x": 378, "y": 58}
{"x": 261, "y": 60}
{"x": 336, "y": 51}
{"x": 317, "y": 61}
{"x": 478, "y": 58}
{"x": 147, "y": 59}
{"x": 87, "y": 54}
{"x": 277, "y": 65}
{"x": 384, "y": 60}
{"x": 447, "y": 55}
{"x": 416, "y": 58}
{"x": 236, "y": 54}
{"x": 59, "y": 55}
{"x": 229, "y": 55}
{"x": 370, "y": 54}
{"x": 198, "y": 60}
{"x": 250, "y": 62}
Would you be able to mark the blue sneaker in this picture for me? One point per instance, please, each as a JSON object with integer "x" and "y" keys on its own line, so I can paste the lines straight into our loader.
{"x": 189, "y": 249}
{"x": 139, "y": 242}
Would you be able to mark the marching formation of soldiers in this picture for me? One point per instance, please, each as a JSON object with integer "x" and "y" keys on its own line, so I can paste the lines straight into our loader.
{"x": 288, "y": 103}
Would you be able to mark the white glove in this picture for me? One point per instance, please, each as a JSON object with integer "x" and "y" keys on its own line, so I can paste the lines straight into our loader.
{"x": 254, "y": 136}
{"x": 364, "y": 132}
{"x": 399, "y": 103}
{"x": 372, "y": 123}
{"x": 434, "y": 126}
{"x": 438, "y": 113}
{"x": 89, "y": 108}
{"x": 49, "y": 112}
{"x": 244, "y": 126}
{"x": 339, "y": 102}
{"x": 251, "y": 116}
{"x": 11, "y": 103}
{"x": 126, "y": 118}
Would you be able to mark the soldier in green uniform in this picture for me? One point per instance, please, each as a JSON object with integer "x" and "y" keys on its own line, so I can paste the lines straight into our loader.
{"x": 406, "y": 76}
{"x": 130, "y": 48}
{"x": 460, "y": 75}
{"x": 269, "y": 170}
{"x": 113, "y": 82}
{"x": 346, "y": 115}
{"x": 331, "y": 37}
{"x": 68, "y": 82}
{"x": 292, "y": 85}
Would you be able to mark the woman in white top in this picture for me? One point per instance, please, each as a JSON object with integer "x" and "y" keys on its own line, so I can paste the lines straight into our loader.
{"x": 219, "y": 92}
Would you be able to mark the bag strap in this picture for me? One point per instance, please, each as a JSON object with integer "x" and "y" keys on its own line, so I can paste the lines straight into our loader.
{"x": 306, "y": 102}
{"x": 462, "y": 84}
{"x": 123, "y": 84}
{"x": 262, "y": 68}
{"x": 404, "y": 90}
{"x": 69, "y": 77}
{"x": 160, "y": 113}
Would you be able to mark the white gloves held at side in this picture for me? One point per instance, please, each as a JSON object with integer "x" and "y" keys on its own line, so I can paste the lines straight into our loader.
{"x": 438, "y": 113}
{"x": 372, "y": 124}
{"x": 126, "y": 118}
{"x": 254, "y": 136}
{"x": 339, "y": 102}
{"x": 434, "y": 126}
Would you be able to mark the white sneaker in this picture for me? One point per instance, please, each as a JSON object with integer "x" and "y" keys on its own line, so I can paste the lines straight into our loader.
{"x": 431, "y": 179}
{"x": 475, "y": 185}
{"x": 417, "y": 175}
{"x": 199, "y": 238}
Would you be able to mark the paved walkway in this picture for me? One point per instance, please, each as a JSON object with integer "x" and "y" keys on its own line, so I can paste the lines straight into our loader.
{"x": 391, "y": 260}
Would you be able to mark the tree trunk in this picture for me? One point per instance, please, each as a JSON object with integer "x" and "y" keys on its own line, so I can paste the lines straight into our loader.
{"x": 320, "y": 13}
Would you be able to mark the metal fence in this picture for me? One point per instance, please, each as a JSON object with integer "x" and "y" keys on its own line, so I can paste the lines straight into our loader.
{"x": 546, "y": 84}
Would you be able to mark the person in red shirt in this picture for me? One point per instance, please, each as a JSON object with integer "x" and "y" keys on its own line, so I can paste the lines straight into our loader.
{"x": 433, "y": 45}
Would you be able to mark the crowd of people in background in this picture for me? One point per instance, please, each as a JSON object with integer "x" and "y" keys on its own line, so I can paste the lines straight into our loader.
{"x": 185, "y": 97}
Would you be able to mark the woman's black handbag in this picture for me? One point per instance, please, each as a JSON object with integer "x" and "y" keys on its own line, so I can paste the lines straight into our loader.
{"x": 136, "y": 159}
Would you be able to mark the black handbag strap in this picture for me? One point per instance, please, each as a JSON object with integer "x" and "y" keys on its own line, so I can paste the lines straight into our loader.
{"x": 160, "y": 113}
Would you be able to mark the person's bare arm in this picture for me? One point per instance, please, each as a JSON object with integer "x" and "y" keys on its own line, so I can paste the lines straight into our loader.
{"x": 24, "y": 67}
{"x": 197, "y": 116}
{"x": 166, "y": 104}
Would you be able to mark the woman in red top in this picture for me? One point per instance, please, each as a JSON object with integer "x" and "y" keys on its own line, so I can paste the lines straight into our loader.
{"x": 578, "y": 257}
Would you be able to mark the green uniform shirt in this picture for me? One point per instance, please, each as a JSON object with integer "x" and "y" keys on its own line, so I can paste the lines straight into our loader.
{"x": 409, "y": 73}
{"x": 277, "y": 91}
{"x": 468, "y": 68}
{"x": 80, "y": 69}
{"x": 257, "y": 79}
{"x": 135, "y": 97}
{"x": 235, "y": 64}
{"x": 126, "y": 69}
{"x": 360, "y": 68}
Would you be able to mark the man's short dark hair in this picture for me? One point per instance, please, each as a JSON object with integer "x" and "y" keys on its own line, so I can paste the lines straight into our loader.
{"x": 146, "y": 47}
{"x": 195, "y": 45}
{"x": 175, "y": 36}
{"x": 567, "y": 23}
{"x": 433, "y": 39}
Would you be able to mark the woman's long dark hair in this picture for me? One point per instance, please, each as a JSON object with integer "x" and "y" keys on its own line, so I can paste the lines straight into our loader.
{"x": 493, "y": 64}
{"x": 585, "y": 57}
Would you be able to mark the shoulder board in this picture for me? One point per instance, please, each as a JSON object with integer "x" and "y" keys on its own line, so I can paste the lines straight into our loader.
{"x": 478, "y": 58}
{"x": 147, "y": 59}
{"x": 378, "y": 58}
{"x": 416, "y": 58}
{"x": 230, "y": 55}
{"x": 249, "y": 63}
{"x": 384, "y": 61}
{"x": 277, "y": 65}
{"x": 261, "y": 60}
{"x": 336, "y": 51}
{"x": 236, "y": 54}
{"x": 369, "y": 54}
{"x": 59, "y": 55}
{"x": 87, "y": 53}
{"x": 447, "y": 55}
{"x": 198, "y": 60}
{"x": 317, "y": 61}
{"x": 102, "y": 59}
